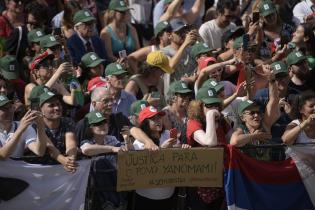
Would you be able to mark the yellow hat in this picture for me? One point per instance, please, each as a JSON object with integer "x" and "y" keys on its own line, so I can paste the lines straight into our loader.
{"x": 159, "y": 59}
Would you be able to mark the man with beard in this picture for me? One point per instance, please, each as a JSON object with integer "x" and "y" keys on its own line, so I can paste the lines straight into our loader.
{"x": 102, "y": 100}
{"x": 299, "y": 71}
{"x": 116, "y": 76}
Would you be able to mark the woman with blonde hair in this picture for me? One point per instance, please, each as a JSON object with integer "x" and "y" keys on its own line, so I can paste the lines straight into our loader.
{"x": 120, "y": 36}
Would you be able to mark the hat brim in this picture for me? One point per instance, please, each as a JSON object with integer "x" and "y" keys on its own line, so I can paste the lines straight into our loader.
{"x": 211, "y": 100}
{"x": 51, "y": 44}
{"x": 121, "y": 9}
{"x": 203, "y": 51}
{"x": 119, "y": 73}
{"x": 183, "y": 91}
{"x": 10, "y": 75}
{"x": 179, "y": 28}
{"x": 161, "y": 113}
{"x": 86, "y": 19}
{"x": 97, "y": 121}
{"x": 248, "y": 107}
{"x": 219, "y": 87}
{"x": 5, "y": 103}
{"x": 49, "y": 98}
{"x": 96, "y": 63}
{"x": 269, "y": 12}
{"x": 166, "y": 69}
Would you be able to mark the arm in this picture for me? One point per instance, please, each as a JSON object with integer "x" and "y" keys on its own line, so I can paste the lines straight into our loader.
{"x": 71, "y": 144}
{"x": 171, "y": 10}
{"x": 28, "y": 89}
{"x": 208, "y": 138}
{"x": 61, "y": 69}
{"x": 96, "y": 149}
{"x": 138, "y": 56}
{"x": 137, "y": 133}
{"x": 135, "y": 37}
{"x": 108, "y": 46}
{"x": 191, "y": 16}
{"x": 272, "y": 112}
{"x": 240, "y": 139}
{"x": 68, "y": 98}
{"x": 132, "y": 87}
{"x": 240, "y": 91}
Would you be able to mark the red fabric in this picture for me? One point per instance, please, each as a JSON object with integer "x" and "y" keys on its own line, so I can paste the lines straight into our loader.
{"x": 241, "y": 75}
{"x": 149, "y": 112}
{"x": 204, "y": 62}
{"x": 96, "y": 82}
{"x": 5, "y": 27}
{"x": 39, "y": 58}
{"x": 192, "y": 126}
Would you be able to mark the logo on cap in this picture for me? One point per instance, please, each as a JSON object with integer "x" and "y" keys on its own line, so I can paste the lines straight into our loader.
{"x": 152, "y": 109}
{"x": 165, "y": 22}
{"x": 205, "y": 45}
{"x": 98, "y": 115}
{"x": 142, "y": 106}
{"x": 86, "y": 13}
{"x": 266, "y": 6}
{"x": 12, "y": 67}
{"x": 122, "y": 3}
{"x": 210, "y": 93}
{"x": 250, "y": 102}
{"x": 39, "y": 33}
{"x": 298, "y": 54}
{"x": 52, "y": 38}
{"x": 213, "y": 83}
{"x": 93, "y": 57}
{"x": 2, "y": 98}
{"x": 184, "y": 85}
{"x": 277, "y": 67}
{"x": 118, "y": 66}
{"x": 50, "y": 93}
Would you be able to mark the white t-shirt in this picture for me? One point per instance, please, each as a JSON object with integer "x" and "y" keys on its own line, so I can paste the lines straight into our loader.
{"x": 211, "y": 33}
{"x": 27, "y": 137}
{"x": 301, "y": 10}
{"x": 302, "y": 137}
{"x": 155, "y": 193}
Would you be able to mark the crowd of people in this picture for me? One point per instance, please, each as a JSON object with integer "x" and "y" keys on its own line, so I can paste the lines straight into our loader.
{"x": 82, "y": 78}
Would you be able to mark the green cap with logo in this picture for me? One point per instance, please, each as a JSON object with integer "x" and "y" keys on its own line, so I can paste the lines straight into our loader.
{"x": 118, "y": 5}
{"x": 245, "y": 105}
{"x": 279, "y": 67}
{"x": 45, "y": 97}
{"x": 37, "y": 91}
{"x": 137, "y": 106}
{"x": 91, "y": 60}
{"x": 208, "y": 96}
{"x": 4, "y": 100}
{"x": 94, "y": 117}
{"x": 267, "y": 8}
{"x": 9, "y": 67}
{"x": 114, "y": 69}
{"x": 295, "y": 57}
{"x": 83, "y": 16}
{"x": 160, "y": 27}
{"x": 199, "y": 48}
{"x": 35, "y": 35}
{"x": 311, "y": 62}
{"x": 179, "y": 87}
{"x": 48, "y": 41}
{"x": 211, "y": 83}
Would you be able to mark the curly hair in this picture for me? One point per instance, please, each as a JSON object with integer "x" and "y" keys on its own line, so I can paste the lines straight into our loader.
{"x": 300, "y": 100}
{"x": 195, "y": 111}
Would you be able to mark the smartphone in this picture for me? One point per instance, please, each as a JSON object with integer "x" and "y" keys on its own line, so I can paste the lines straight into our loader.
{"x": 256, "y": 17}
{"x": 173, "y": 133}
{"x": 122, "y": 54}
{"x": 35, "y": 104}
{"x": 246, "y": 40}
{"x": 284, "y": 39}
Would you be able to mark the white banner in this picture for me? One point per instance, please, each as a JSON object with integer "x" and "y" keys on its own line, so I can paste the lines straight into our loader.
{"x": 50, "y": 186}
{"x": 304, "y": 158}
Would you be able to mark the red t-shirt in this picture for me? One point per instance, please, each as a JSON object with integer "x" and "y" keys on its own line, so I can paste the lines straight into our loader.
{"x": 5, "y": 27}
{"x": 194, "y": 125}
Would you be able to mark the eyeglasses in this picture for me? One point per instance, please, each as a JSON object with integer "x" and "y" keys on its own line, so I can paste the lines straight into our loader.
{"x": 253, "y": 112}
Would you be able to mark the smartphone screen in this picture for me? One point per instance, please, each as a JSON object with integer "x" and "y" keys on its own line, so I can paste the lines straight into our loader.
{"x": 256, "y": 17}
{"x": 284, "y": 40}
{"x": 122, "y": 54}
{"x": 246, "y": 40}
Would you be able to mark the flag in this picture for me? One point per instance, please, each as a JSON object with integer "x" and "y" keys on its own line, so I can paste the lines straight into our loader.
{"x": 258, "y": 185}
{"x": 38, "y": 187}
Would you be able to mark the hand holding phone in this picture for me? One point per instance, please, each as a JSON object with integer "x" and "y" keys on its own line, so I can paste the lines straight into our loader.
{"x": 256, "y": 17}
{"x": 122, "y": 54}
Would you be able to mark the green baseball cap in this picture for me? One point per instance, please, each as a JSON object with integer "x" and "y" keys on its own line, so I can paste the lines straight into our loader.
{"x": 161, "y": 26}
{"x": 167, "y": 1}
{"x": 94, "y": 117}
{"x": 208, "y": 96}
{"x": 91, "y": 60}
{"x": 137, "y": 106}
{"x": 83, "y": 16}
{"x": 279, "y": 67}
{"x": 267, "y": 8}
{"x": 9, "y": 67}
{"x": 238, "y": 42}
{"x": 245, "y": 105}
{"x": 37, "y": 91}
{"x": 48, "y": 41}
{"x": 4, "y": 100}
{"x": 295, "y": 57}
{"x": 311, "y": 62}
{"x": 35, "y": 35}
{"x": 118, "y": 5}
{"x": 211, "y": 83}
{"x": 179, "y": 87}
{"x": 45, "y": 97}
{"x": 114, "y": 69}
{"x": 199, "y": 48}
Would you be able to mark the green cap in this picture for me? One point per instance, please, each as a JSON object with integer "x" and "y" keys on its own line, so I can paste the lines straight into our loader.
{"x": 160, "y": 27}
{"x": 211, "y": 83}
{"x": 9, "y": 67}
{"x": 279, "y": 67}
{"x": 114, "y": 69}
{"x": 179, "y": 87}
{"x": 238, "y": 42}
{"x": 4, "y": 100}
{"x": 137, "y": 106}
{"x": 37, "y": 91}
{"x": 311, "y": 62}
{"x": 35, "y": 35}
{"x": 245, "y": 105}
{"x": 167, "y": 1}
{"x": 48, "y": 41}
{"x": 208, "y": 96}
{"x": 295, "y": 57}
{"x": 118, "y": 5}
{"x": 267, "y": 8}
{"x": 45, "y": 97}
{"x": 83, "y": 16}
{"x": 199, "y": 48}
{"x": 91, "y": 60}
{"x": 94, "y": 117}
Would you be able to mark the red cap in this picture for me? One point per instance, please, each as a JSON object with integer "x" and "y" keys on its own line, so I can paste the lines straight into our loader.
{"x": 96, "y": 82}
{"x": 149, "y": 112}
{"x": 204, "y": 62}
{"x": 40, "y": 58}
